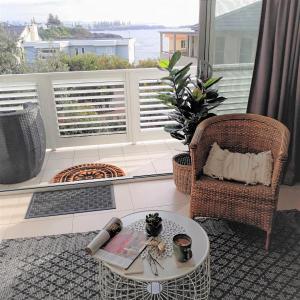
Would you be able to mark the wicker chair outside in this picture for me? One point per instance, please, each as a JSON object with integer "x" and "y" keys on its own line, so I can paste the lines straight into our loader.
{"x": 253, "y": 205}
{"x": 22, "y": 144}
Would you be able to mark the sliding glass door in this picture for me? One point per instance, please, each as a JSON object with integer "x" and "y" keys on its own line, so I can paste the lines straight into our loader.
{"x": 234, "y": 39}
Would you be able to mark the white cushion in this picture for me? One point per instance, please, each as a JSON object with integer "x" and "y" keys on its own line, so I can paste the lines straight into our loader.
{"x": 249, "y": 168}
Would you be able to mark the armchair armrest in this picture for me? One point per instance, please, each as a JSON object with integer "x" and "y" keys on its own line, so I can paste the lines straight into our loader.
{"x": 279, "y": 164}
{"x": 199, "y": 149}
{"x": 280, "y": 159}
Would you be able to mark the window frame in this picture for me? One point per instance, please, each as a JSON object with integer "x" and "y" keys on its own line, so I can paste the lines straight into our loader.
{"x": 206, "y": 32}
{"x": 183, "y": 44}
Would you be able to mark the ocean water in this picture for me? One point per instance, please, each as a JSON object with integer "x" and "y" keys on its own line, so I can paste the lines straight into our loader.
{"x": 147, "y": 41}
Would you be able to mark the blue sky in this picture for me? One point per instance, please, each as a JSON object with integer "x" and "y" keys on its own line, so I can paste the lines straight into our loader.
{"x": 166, "y": 12}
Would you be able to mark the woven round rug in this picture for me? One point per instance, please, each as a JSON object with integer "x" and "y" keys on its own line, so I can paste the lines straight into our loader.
{"x": 88, "y": 172}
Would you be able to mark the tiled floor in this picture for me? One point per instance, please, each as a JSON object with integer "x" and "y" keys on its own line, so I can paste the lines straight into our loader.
{"x": 140, "y": 159}
{"x": 157, "y": 194}
{"x": 131, "y": 197}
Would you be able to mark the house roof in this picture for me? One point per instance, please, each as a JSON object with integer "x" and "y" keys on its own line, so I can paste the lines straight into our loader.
{"x": 246, "y": 18}
{"x": 77, "y": 43}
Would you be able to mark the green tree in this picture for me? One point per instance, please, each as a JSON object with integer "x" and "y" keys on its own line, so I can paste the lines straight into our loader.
{"x": 54, "y": 33}
{"x": 63, "y": 32}
{"x": 9, "y": 54}
{"x": 78, "y": 32}
{"x": 53, "y": 20}
{"x": 52, "y": 64}
{"x": 84, "y": 62}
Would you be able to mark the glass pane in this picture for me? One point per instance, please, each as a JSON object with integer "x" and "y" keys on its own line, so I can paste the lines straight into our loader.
{"x": 184, "y": 40}
{"x": 91, "y": 117}
{"x": 235, "y": 39}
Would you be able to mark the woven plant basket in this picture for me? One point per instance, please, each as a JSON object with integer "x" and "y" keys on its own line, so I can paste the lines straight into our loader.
{"x": 182, "y": 172}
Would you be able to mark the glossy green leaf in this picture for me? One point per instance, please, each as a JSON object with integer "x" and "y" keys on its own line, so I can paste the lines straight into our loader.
{"x": 164, "y": 64}
{"x": 219, "y": 99}
{"x": 174, "y": 59}
{"x": 184, "y": 68}
{"x": 173, "y": 128}
{"x": 182, "y": 83}
{"x": 167, "y": 99}
{"x": 198, "y": 94}
{"x": 177, "y": 135}
{"x": 173, "y": 72}
{"x": 181, "y": 75}
{"x": 211, "y": 81}
{"x": 212, "y": 94}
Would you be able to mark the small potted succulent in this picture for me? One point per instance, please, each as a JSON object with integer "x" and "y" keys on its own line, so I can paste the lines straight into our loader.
{"x": 192, "y": 101}
{"x": 153, "y": 224}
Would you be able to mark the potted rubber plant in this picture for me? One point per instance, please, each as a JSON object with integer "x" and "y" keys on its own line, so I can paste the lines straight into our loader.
{"x": 192, "y": 100}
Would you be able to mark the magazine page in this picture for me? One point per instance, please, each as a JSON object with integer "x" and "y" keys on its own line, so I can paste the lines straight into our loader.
{"x": 113, "y": 227}
{"x": 123, "y": 249}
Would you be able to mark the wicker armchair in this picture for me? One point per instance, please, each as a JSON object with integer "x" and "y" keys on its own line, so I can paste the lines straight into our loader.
{"x": 253, "y": 205}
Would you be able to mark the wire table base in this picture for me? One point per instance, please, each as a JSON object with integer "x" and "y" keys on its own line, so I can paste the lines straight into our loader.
{"x": 193, "y": 286}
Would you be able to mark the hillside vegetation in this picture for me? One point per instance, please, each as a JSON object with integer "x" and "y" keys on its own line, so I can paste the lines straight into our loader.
{"x": 83, "y": 62}
{"x": 62, "y": 32}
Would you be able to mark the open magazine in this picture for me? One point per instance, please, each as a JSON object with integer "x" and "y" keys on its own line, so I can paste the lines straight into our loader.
{"x": 117, "y": 246}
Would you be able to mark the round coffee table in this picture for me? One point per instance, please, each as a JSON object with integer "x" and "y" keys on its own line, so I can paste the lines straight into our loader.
{"x": 187, "y": 281}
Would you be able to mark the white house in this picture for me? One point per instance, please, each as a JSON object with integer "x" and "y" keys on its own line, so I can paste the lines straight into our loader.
{"x": 123, "y": 48}
{"x": 33, "y": 47}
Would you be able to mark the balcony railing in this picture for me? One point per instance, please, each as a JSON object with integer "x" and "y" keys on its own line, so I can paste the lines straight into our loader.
{"x": 113, "y": 106}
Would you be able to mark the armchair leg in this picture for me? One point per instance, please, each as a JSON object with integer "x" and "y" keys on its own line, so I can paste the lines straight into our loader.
{"x": 268, "y": 238}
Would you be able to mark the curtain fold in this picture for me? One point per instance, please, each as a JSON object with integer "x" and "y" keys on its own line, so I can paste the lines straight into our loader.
{"x": 275, "y": 87}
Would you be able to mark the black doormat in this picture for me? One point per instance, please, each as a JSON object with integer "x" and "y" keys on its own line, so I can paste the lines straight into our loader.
{"x": 71, "y": 201}
{"x": 57, "y": 267}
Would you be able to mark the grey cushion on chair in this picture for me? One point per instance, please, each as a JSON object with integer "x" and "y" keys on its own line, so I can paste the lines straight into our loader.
{"x": 22, "y": 144}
